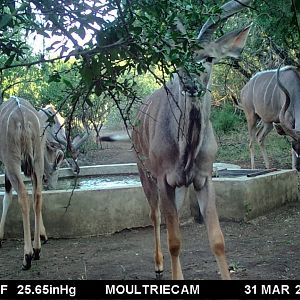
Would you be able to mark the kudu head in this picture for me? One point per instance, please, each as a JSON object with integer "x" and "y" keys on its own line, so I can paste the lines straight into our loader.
{"x": 55, "y": 144}
{"x": 53, "y": 158}
{"x": 286, "y": 126}
{"x": 211, "y": 51}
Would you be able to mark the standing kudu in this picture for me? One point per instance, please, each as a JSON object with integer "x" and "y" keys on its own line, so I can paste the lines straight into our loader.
{"x": 175, "y": 144}
{"x": 176, "y": 147}
{"x": 29, "y": 143}
{"x": 265, "y": 98}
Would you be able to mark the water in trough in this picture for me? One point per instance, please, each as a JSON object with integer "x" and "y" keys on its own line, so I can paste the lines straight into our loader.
{"x": 128, "y": 180}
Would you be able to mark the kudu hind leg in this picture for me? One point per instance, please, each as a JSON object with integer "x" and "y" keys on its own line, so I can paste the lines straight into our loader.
{"x": 25, "y": 207}
{"x": 150, "y": 189}
{"x": 7, "y": 199}
{"x": 23, "y": 200}
{"x": 206, "y": 199}
{"x": 251, "y": 122}
{"x": 167, "y": 197}
{"x": 37, "y": 206}
{"x": 261, "y": 135}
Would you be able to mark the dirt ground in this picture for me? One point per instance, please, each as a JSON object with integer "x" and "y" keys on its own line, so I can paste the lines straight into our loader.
{"x": 264, "y": 248}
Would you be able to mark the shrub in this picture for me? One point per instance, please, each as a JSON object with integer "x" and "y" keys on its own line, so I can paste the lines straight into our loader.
{"x": 226, "y": 119}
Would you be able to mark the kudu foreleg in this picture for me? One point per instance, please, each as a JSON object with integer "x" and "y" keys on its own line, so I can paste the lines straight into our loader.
{"x": 167, "y": 196}
{"x": 43, "y": 234}
{"x": 37, "y": 206}
{"x": 206, "y": 199}
{"x": 7, "y": 199}
{"x": 158, "y": 256}
{"x": 25, "y": 208}
{"x": 150, "y": 189}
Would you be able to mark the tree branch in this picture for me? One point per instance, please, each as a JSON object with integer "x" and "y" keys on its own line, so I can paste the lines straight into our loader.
{"x": 94, "y": 51}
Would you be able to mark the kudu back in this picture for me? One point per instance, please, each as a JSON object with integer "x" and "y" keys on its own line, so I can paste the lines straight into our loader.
{"x": 175, "y": 145}
{"x": 263, "y": 99}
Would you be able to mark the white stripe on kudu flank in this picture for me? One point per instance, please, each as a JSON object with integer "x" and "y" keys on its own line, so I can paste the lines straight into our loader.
{"x": 23, "y": 107}
{"x": 267, "y": 87}
{"x": 8, "y": 119}
{"x": 253, "y": 87}
{"x": 147, "y": 106}
{"x": 275, "y": 86}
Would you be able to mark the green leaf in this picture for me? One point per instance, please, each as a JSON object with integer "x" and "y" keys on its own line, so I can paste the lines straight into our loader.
{"x": 98, "y": 89}
{"x": 23, "y": 6}
{"x": 10, "y": 60}
{"x": 67, "y": 83}
{"x": 89, "y": 102}
{"x": 81, "y": 32}
{"x": 5, "y": 19}
{"x": 55, "y": 77}
{"x": 137, "y": 30}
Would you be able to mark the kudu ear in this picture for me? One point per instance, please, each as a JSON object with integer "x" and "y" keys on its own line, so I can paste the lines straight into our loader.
{"x": 232, "y": 43}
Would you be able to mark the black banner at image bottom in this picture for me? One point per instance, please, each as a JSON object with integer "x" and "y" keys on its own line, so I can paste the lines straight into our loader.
{"x": 123, "y": 289}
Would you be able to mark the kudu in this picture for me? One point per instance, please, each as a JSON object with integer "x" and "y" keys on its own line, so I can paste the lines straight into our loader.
{"x": 56, "y": 136}
{"x": 29, "y": 143}
{"x": 176, "y": 147}
{"x": 264, "y": 98}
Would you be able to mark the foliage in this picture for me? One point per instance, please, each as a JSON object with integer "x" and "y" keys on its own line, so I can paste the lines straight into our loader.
{"x": 274, "y": 40}
{"x": 145, "y": 85}
{"x": 278, "y": 23}
{"x": 225, "y": 119}
{"x": 113, "y": 41}
{"x": 233, "y": 148}
{"x": 104, "y": 48}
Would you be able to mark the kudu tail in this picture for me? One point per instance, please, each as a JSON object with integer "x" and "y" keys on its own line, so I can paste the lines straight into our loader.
{"x": 286, "y": 126}
{"x": 236, "y": 102}
{"x": 27, "y": 164}
{"x": 287, "y": 94}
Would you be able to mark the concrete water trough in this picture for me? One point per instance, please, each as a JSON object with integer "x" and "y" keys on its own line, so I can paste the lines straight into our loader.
{"x": 101, "y": 207}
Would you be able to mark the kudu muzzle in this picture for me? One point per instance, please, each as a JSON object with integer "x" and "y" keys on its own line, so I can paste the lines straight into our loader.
{"x": 190, "y": 85}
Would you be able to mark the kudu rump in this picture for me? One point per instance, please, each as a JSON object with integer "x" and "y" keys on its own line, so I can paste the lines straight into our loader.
{"x": 28, "y": 143}
{"x": 265, "y": 98}
{"x": 176, "y": 147}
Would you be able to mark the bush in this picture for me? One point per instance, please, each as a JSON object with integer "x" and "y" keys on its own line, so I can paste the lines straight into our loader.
{"x": 226, "y": 119}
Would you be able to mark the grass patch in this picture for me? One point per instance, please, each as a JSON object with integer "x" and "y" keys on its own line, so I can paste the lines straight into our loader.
{"x": 233, "y": 140}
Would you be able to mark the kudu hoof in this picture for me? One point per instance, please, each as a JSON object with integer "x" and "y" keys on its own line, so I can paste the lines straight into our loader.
{"x": 36, "y": 254}
{"x": 44, "y": 239}
{"x": 27, "y": 265}
{"x": 159, "y": 275}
